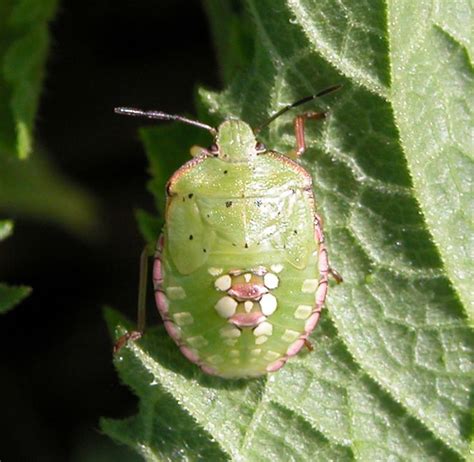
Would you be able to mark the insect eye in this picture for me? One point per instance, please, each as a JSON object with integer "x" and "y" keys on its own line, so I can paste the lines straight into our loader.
{"x": 213, "y": 148}
{"x": 260, "y": 147}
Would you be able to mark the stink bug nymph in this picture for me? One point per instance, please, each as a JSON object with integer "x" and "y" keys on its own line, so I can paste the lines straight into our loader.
{"x": 241, "y": 269}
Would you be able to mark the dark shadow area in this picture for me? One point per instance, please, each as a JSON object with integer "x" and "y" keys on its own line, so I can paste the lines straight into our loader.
{"x": 56, "y": 365}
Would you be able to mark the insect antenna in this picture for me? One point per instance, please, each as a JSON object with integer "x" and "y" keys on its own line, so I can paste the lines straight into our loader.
{"x": 130, "y": 111}
{"x": 297, "y": 103}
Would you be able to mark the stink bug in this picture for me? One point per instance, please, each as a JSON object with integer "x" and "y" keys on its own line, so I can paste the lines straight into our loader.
{"x": 241, "y": 269}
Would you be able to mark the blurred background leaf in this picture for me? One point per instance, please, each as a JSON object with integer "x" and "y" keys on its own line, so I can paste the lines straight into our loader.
{"x": 33, "y": 188}
{"x": 24, "y": 41}
{"x": 10, "y": 296}
{"x": 36, "y": 189}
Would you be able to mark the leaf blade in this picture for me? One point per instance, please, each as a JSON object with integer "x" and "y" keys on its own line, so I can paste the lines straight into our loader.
{"x": 23, "y": 48}
{"x": 35, "y": 188}
{"x": 10, "y": 296}
{"x": 436, "y": 135}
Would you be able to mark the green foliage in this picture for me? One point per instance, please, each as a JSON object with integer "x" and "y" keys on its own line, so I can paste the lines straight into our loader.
{"x": 391, "y": 374}
{"x": 34, "y": 188}
{"x": 232, "y": 36}
{"x": 6, "y": 229}
{"x": 23, "y": 49}
{"x": 432, "y": 94}
{"x": 10, "y": 296}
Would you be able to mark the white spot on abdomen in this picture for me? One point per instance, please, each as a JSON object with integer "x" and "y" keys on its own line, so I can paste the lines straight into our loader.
{"x": 271, "y": 355}
{"x": 261, "y": 339}
{"x": 268, "y": 304}
{"x": 230, "y": 332}
{"x": 276, "y": 268}
{"x": 309, "y": 286}
{"x": 176, "y": 293}
{"x": 183, "y": 319}
{"x": 198, "y": 341}
{"x": 248, "y": 305}
{"x": 226, "y": 306}
{"x": 214, "y": 271}
{"x": 215, "y": 359}
{"x": 271, "y": 281}
{"x": 303, "y": 311}
{"x": 265, "y": 328}
{"x": 290, "y": 335}
{"x": 223, "y": 283}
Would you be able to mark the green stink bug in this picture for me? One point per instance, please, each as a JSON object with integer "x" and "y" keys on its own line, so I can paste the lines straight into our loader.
{"x": 241, "y": 268}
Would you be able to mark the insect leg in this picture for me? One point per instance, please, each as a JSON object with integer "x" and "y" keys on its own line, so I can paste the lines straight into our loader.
{"x": 336, "y": 276}
{"x": 141, "y": 310}
{"x": 299, "y": 131}
{"x": 308, "y": 345}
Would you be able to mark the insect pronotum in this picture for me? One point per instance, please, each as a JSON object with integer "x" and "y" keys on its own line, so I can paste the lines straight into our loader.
{"x": 241, "y": 268}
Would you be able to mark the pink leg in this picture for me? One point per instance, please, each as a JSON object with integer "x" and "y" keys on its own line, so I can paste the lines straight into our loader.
{"x": 308, "y": 345}
{"x": 311, "y": 322}
{"x": 295, "y": 347}
{"x": 299, "y": 129}
{"x": 278, "y": 364}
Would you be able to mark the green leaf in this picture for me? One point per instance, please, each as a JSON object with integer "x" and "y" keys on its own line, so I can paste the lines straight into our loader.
{"x": 315, "y": 409}
{"x": 149, "y": 225}
{"x": 162, "y": 430}
{"x": 38, "y": 190}
{"x": 432, "y": 93}
{"x": 231, "y": 31}
{"x": 391, "y": 374}
{"x": 23, "y": 49}
{"x": 10, "y": 296}
{"x": 6, "y": 229}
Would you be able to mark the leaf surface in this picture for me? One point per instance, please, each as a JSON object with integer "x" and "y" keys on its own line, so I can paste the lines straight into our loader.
{"x": 432, "y": 93}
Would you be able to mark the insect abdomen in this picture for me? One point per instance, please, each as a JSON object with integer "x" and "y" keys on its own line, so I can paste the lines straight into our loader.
{"x": 239, "y": 321}
{"x": 239, "y": 272}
